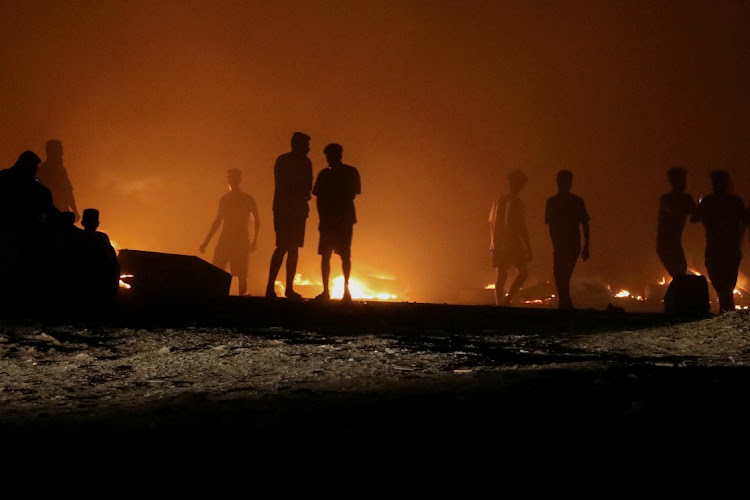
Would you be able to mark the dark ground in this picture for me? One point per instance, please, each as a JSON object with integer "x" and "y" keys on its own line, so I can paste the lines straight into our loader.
{"x": 477, "y": 377}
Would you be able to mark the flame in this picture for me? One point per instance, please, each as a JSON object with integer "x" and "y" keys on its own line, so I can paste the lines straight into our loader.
{"x": 357, "y": 288}
{"x": 626, "y": 294}
{"x": 491, "y": 286}
{"x": 663, "y": 281}
{"x": 122, "y": 283}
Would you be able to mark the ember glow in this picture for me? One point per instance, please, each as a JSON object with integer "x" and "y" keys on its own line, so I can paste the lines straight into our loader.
{"x": 124, "y": 285}
{"x": 358, "y": 288}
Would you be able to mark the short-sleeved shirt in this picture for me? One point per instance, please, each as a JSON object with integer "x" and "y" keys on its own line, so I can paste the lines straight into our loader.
{"x": 293, "y": 179}
{"x": 564, "y": 214}
{"x": 335, "y": 189}
{"x": 508, "y": 221}
{"x": 723, "y": 217}
{"x": 674, "y": 209}
{"x": 235, "y": 209}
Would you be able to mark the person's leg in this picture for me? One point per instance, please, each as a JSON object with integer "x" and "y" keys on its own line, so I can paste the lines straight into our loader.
{"x": 276, "y": 260}
{"x": 239, "y": 265}
{"x": 291, "y": 272}
{"x": 346, "y": 267}
{"x": 723, "y": 276}
{"x": 563, "y": 270}
{"x": 325, "y": 272}
{"x": 502, "y": 275}
{"x": 523, "y": 273}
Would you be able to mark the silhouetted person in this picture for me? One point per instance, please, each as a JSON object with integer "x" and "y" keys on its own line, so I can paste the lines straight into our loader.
{"x": 674, "y": 209}
{"x": 335, "y": 189}
{"x": 565, "y": 213}
{"x": 724, "y": 218}
{"x": 24, "y": 201}
{"x": 293, "y": 179}
{"x": 509, "y": 238}
{"x": 102, "y": 268}
{"x": 234, "y": 247}
{"x": 53, "y": 174}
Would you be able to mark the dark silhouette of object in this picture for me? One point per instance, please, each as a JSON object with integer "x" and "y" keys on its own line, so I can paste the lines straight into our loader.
{"x": 53, "y": 174}
{"x": 724, "y": 218}
{"x": 674, "y": 209}
{"x": 234, "y": 246}
{"x": 509, "y": 238}
{"x": 687, "y": 295}
{"x": 159, "y": 278}
{"x": 335, "y": 188}
{"x": 101, "y": 275}
{"x": 565, "y": 213}
{"x": 293, "y": 179}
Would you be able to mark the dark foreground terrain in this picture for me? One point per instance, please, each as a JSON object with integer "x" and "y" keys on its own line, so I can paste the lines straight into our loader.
{"x": 245, "y": 371}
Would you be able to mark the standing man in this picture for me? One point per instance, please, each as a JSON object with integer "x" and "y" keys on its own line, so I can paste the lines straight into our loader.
{"x": 724, "y": 218}
{"x": 509, "y": 238}
{"x": 293, "y": 182}
{"x": 674, "y": 209}
{"x": 335, "y": 189}
{"x": 234, "y": 246}
{"x": 564, "y": 213}
{"x": 54, "y": 176}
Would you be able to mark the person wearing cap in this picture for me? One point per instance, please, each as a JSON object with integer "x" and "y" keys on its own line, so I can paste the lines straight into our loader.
{"x": 235, "y": 245}
{"x": 293, "y": 179}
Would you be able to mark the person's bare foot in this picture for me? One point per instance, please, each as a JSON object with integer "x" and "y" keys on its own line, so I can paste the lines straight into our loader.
{"x": 323, "y": 297}
{"x": 347, "y": 298}
{"x": 292, "y": 295}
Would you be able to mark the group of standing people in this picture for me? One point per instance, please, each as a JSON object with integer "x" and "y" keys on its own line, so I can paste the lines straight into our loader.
{"x": 335, "y": 188}
{"x": 722, "y": 213}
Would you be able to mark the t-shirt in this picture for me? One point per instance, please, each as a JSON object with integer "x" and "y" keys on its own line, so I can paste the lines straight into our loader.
{"x": 335, "y": 189}
{"x": 235, "y": 209}
{"x": 293, "y": 179}
{"x": 564, "y": 213}
{"x": 507, "y": 219}
{"x": 723, "y": 217}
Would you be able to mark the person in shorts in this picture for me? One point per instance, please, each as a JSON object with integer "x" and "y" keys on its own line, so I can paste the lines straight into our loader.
{"x": 293, "y": 179}
{"x": 335, "y": 189}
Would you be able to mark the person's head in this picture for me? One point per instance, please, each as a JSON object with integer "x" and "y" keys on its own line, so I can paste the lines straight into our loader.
{"x": 677, "y": 177}
{"x": 27, "y": 164}
{"x": 90, "y": 219}
{"x": 334, "y": 153}
{"x": 54, "y": 149}
{"x": 516, "y": 181}
{"x": 564, "y": 181}
{"x": 234, "y": 177}
{"x": 720, "y": 181}
{"x": 300, "y": 143}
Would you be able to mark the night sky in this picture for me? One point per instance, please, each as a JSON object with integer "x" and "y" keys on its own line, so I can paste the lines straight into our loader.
{"x": 433, "y": 101}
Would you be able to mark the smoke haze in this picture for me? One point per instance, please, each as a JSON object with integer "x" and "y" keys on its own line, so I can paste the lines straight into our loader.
{"x": 433, "y": 101}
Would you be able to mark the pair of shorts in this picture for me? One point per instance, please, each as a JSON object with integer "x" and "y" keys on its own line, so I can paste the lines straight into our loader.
{"x": 337, "y": 239}
{"x": 290, "y": 230}
{"x": 237, "y": 258}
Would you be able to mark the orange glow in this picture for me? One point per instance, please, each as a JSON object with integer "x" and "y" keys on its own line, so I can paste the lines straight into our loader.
{"x": 357, "y": 287}
{"x": 123, "y": 284}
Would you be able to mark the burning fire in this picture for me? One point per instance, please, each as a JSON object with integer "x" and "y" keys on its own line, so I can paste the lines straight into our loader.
{"x": 123, "y": 284}
{"x": 357, "y": 288}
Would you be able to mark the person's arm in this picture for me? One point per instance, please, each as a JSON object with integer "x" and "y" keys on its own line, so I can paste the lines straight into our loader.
{"x": 491, "y": 220}
{"x": 308, "y": 180}
{"x": 212, "y": 230}
{"x": 586, "y": 253}
{"x": 697, "y": 213}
